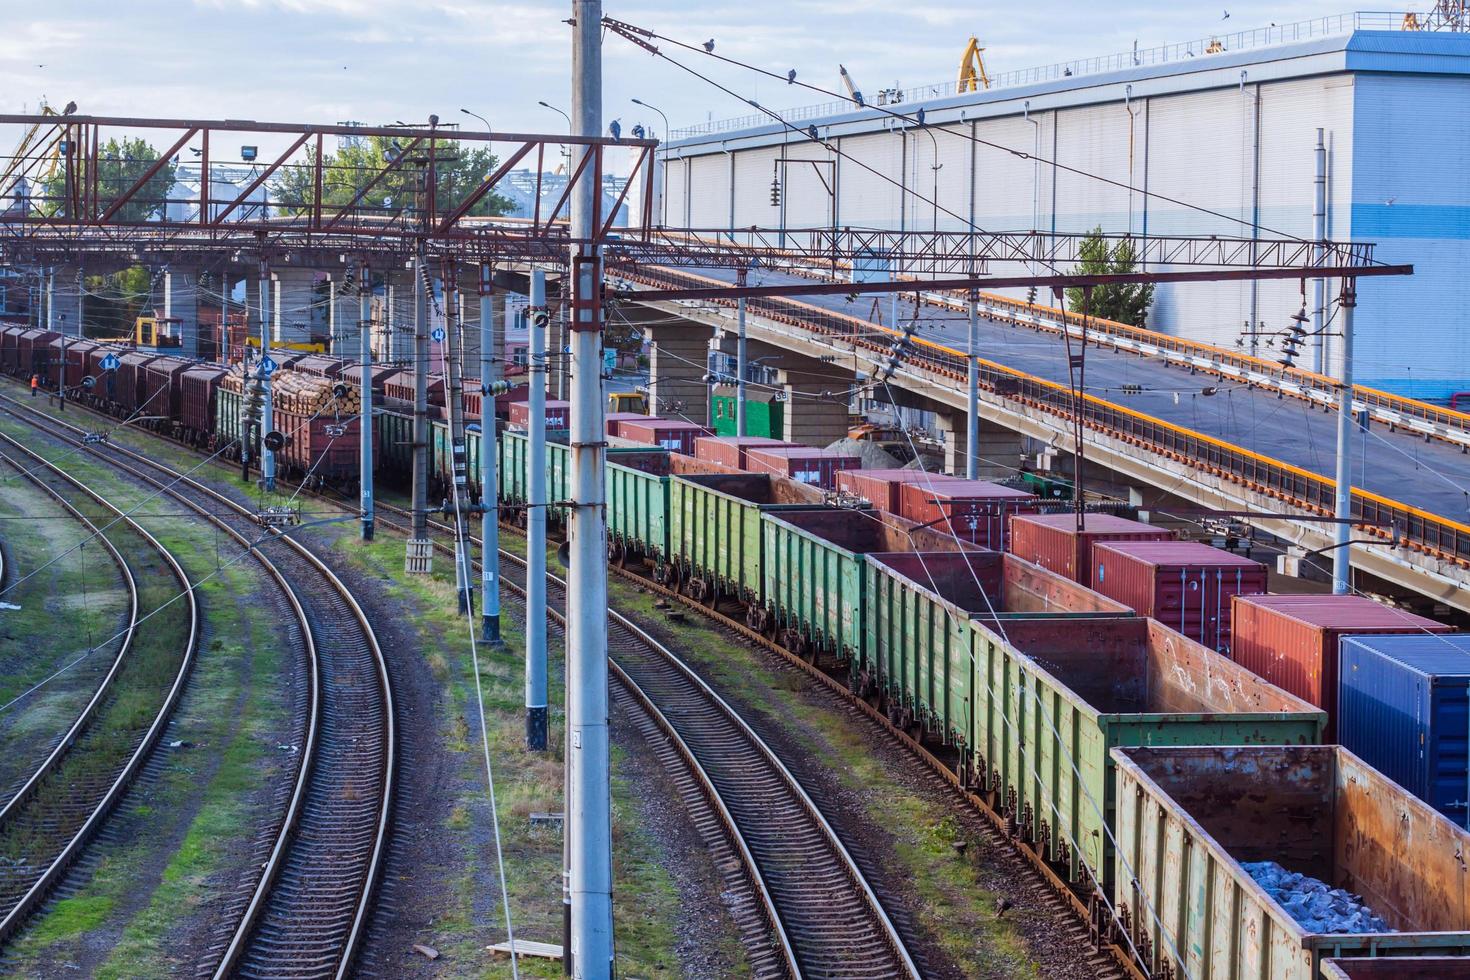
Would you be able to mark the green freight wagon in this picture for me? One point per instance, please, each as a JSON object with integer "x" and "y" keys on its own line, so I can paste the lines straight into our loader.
{"x": 715, "y": 531}
{"x": 395, "y": 444}
{"x": 441, "y": 463}
{"x": 227, "y": 420}
{"x": 1054, "y": 697}
{"x": 637, "y": 514}
{"x": 814, "y": 572}
{"x": 1188, "y": 818}
{"x": 764, "y": 416}
{"x": 916, "y": 639}
{"x": 515, "y": 450}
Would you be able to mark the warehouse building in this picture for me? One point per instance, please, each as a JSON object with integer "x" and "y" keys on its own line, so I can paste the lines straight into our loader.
{"x": 1227, "y": 124}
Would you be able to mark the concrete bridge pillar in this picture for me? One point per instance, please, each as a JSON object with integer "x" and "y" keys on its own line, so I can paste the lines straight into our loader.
{"x": 181, "y": 304}
{"x": 299, "y": 313}
{"x": 677, "y": 364}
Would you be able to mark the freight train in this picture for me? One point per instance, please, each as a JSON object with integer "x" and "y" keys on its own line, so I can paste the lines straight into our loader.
{"x": 1145, "y": 726}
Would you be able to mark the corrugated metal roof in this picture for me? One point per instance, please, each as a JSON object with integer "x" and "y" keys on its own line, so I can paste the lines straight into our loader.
{"x": 1439, "y": 654}
{"x": 1090, "y": 522}
{"x": 1340, "y": 612}
{"x": 1192, "y": 553}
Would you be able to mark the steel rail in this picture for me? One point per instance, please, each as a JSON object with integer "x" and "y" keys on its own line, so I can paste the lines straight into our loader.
{"x": 84, "y": 717}
{"x": 18, "y": 913}
{"x": 289, "y": 833}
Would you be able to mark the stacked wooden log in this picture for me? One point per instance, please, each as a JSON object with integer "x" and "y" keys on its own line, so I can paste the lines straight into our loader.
{"x": 234, "y": 381}
{"x": 307, "y": 395}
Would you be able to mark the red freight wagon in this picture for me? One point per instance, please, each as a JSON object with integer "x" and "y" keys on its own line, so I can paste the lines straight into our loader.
{"x": 616, "y": 419}
{"x": 504, "y": 400}
{"x": 817, "y": 467}
{"x": 127, "y": 390}
{"x": 69, "y": 349}
{"x": 320, "y": 366}
{"x": 1186, "y": 585}
{"x": 1292, "y": 640}
{"x": 671, "y": 434}
{"x": 321, "y": 446}
{"x": 975, "y": 510}
{"x": 558, "y": 414}
{"x": 33, "y": 348}
{"x": 159, "y": 390}
{"x": 381, "y": 374}
{"x": 196, "y": 401}
{"x": 1052, "y": 541}
{"x": 731, "y": 450}
{"x": 9, "y": 337}
{"x": 76, "y": 364}
{"x": 400, "y": 388}
{"x": 880, "y": 487}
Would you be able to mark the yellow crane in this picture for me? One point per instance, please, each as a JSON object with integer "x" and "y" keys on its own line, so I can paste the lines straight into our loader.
{"x": 35, "y": 146}
{"x": 973, "y": 76}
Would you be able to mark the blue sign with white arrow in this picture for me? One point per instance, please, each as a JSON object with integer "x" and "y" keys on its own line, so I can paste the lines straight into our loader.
{"x": 110, "y": 362}
{"x": 268, "y": 366}
{"x": 437, "y": 335}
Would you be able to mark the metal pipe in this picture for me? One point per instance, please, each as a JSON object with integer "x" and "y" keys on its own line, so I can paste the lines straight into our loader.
{"x": 420, "y": 501}
{"x": 489, "y": 446}
{"x": 1342, "y": 569}
{"x": 589, "y": 808}
{"x": 267, "y": 456}
{"x": 1319, "y": 234}
{"x": 740, "y": 362}
{"x": 365, "y": 425}
{"x": 972, "y": 391}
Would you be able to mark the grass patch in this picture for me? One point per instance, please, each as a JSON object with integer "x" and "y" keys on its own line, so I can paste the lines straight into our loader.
{"x": 71, "y": 917}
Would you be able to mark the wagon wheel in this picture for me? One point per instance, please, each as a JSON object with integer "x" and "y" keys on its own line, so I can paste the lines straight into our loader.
{"x": 712, "y": 598}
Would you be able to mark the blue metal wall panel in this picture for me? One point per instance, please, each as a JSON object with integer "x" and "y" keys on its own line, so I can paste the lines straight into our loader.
{"x": 1404, "y": 707}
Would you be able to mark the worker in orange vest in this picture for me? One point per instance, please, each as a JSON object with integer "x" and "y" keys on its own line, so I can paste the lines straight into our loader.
{"x": 35, "y": 383}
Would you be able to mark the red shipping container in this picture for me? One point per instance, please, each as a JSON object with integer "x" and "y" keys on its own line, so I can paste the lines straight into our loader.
{"x": 804, "y": 464}
{"x": 1186, "y": 585}
{"x": 1292, "y": 640}
{"x": 616, "y": 419}
{"x": 558, "y": 414}
{"x": 731, "y": 450}
{"x": 977, "y": 510}
{"x": 1052, "y": 541}
{"x": 881, "y": 487}
{"x": 671, "y": 434}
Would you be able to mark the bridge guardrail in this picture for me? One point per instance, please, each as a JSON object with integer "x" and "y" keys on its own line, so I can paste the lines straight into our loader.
{"x": 1412, "y": 527}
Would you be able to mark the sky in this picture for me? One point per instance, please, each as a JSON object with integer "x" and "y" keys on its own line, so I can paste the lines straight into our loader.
{"x": 378, "y": 61}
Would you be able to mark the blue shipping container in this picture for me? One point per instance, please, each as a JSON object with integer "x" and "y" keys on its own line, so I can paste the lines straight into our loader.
{"x": 1404, "y": 708}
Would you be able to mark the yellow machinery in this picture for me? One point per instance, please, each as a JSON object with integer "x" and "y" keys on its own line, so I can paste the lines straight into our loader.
{"x": 973, "y": 76}
{"x": 307, "y": 347}
{"x": 627, "y": 401}
{"x": 156, "y": 332}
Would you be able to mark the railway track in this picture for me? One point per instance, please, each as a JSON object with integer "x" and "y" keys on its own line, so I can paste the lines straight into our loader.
{"x": 56, "y": 812}
{"x": 308, "y": 907}
{"x": 823, "y": 915}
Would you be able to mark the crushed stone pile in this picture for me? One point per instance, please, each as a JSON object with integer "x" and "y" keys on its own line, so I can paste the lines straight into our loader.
{"x": 1316, "y": 906}
{"x": 873, "y": 456}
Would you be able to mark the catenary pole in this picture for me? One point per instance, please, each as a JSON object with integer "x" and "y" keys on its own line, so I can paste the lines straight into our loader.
{"x": 587, "y": 697}
{"x": 267, "y": 456}
{"x": 1342, "y": 570}
{"x": 454, "y": 396}
{"x": 972, "y": 391}
{"x": 420, "y": 501}
{"x": 740, "y": 358}
{"x": 365, "y": 424}
{"x": 489, "y": 446}
{"x": 536, "y": 328}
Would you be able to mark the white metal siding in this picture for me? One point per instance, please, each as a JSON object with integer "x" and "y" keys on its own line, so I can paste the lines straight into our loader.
{"x": 753, "y": 170}
{"x": 807, "y": 190}
{"x": 710, "y": 186}
{"x": 1093, "y": 140}
{"x": 676, "y": 191}
{"x": 871, "y": 175}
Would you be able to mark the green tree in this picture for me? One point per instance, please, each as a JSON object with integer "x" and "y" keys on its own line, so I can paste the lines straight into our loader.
{"x": 114, "y": 301}
{"x": 120, "y": 164}
{"x": 1122, "y": 302}
{"x": 459, "y": 167}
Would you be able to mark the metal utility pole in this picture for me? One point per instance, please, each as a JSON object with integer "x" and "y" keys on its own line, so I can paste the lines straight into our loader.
{"x": 536, "y": 321}
{"x": 81, "y": 300}
{"x": 1342, "y": 567}
{"x": 972, "y": 398}
{"x": 489, "y": 485}
{"x": 1319, "y": 233}
{"x": 454, "y": 397}
{"x": 740, "y": 362}
{"x": 267, "y": 456}
{"x": 589, "y": 809}
{"x": 420, "y": 501}
{"x": 365, "y": 425}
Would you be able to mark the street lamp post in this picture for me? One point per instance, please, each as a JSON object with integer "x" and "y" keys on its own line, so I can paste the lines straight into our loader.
{"x": 476, "y": 115}
{"x": 663, "y": 195}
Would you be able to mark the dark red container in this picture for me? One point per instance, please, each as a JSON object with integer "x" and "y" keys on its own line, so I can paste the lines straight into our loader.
{"x": 730, "y": 450}
{"x": 381, "y": 375}
{"x": 9, "y": 337}
{"x": 320, "y": 366}
{"x": 558, "y": 414}
{"x": 159, "y": 390}
{"x": 1292, "y": 640}
{"x": 1052, "y": 541}
{"x": 196, "y": 400}
{"x": 1186, "y": 585}
{"x": 313, "y": 446}
{"x": 33, "y": 349}
{"x": 400, "y": 388}
{"x": 504, "y": 401}
{"x": 816, "y": 467}
{"x": 671, "y": 434}
{"x": 76, "y": 364}
{"x": 881, "y": 487}
{"x": 976, "y": 510}
{"x": 616, "y": 419}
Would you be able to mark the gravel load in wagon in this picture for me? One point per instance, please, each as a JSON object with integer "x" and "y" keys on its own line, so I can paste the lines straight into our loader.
{"x": 1316, "y": 905}
{"x": 1190, "y": 819}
